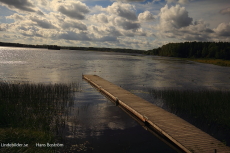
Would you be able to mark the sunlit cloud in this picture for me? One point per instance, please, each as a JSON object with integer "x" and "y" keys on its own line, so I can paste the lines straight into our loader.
{"x": 139, "y": 24}
{"x": 225, "y": 11}
{"x": 23, "y": 5}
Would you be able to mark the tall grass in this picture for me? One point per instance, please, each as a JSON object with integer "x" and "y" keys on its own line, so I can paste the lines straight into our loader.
{"x": 32, "y": 113}
{"x": 207, "y": 106}
{"x": 219, "y": 62}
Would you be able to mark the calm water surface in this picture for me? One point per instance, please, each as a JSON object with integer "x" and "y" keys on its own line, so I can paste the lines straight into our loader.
{"x": 95, "y": 122}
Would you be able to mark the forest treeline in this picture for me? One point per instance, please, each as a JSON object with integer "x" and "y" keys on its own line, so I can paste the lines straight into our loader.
{"x": 122, "y": 50}
{"x": 217, "y": 50}
{"x": 214, "y": 50}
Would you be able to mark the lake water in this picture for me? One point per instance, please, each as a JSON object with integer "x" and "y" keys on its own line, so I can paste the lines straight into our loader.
{"x": 95, "y": 122}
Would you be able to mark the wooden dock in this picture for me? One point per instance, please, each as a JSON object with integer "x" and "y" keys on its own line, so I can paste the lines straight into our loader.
{"x": 184, "y": 135}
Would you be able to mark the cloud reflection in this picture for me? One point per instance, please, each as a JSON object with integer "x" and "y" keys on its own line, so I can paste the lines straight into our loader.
{"x": 93, "y": 114}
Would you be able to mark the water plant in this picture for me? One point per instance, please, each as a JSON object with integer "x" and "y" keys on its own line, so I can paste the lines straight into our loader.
{"x": 33, "y": 113}
{"x": 208, "y": 106}
{"x": 207, "y": 109}
{"x": 219, "y": 62}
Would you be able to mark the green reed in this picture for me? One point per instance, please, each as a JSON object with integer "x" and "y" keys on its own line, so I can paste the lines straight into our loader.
{"x": 33, "y": 113}
{"x": 207, "y": 106}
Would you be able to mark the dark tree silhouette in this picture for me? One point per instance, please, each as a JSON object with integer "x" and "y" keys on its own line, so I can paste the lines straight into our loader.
{"x": 217, "y": 50}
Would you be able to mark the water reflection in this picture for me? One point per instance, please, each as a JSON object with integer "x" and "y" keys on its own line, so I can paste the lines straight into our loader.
{"x": 93, "y": 121}
{"x": 96, "y": 124}
{"x": 97, "y": 113}
{"x": 39, "y": 65}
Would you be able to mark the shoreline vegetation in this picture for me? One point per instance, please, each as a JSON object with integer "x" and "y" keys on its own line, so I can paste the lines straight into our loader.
{"x": 207, "y": 109}
{"x": 219, "y": 62}
{"x": 34, "y": 113}
{"x": 217, "y": 53}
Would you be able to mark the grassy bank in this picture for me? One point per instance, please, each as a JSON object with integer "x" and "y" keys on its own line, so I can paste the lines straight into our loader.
{"x": 219, "y": 62}
{"x": 32, "y": 113}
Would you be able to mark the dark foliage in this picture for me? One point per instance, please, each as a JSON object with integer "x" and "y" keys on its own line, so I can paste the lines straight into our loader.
{"x": 217, "y": 50}
{"x": 122, "y": 50}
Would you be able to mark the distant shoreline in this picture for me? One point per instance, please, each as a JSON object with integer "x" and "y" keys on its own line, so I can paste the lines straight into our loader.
{"x": 122, "y": 50}
{"x": 168, "y": 50}
{"x": 217, "y": 53}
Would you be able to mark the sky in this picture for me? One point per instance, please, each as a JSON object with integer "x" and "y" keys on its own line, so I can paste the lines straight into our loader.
{"x": 135, "y": 24}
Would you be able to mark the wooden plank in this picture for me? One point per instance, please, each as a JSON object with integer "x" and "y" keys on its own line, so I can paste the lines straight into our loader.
{"x": 183, "y": 134}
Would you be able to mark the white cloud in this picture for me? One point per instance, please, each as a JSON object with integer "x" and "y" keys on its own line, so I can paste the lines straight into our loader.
{"x": 106, "y": 38}
{"x": 135, "y": 42}
{"x": 43, "y": 23}
{"x": 133, "y": 33}
{"x": 123, "y": 10}
{"x": 223, "y": 29}
{"x": 43, "y": 2}
{"x": 75, "y": 10}
{"x": 6, "y": 36}
{"x": 170, "y": 1}
{"x": 57, "y": 17}
{"x": 174, "y": 17}
{"x": 40, "y": 13}
{"x": 176, "y": 24}
{"x": 131, "y": 0}
{"x": 4, "y": 27}
{"x": 115, "y": 24}
{"x": 199, "y": 31}
{"x": 183, "y": 1}
{"x": 98, "y": 9}
{"x": 113, "y": 31}
{"x": 177, "y": 1}
{"x": 102, "y": 18}
{"x": 126, "y": 24}
{"x": 15, "y": 16}
{"x": 29, "y": 31}
{"x": 67, "y": 24}
{"x": 225, "y": 11}
{"x": 146, "y": 16}
{"x": 108, "y": 31}
{"x": 23, "y": 5}
{"x": 70, "y": 35}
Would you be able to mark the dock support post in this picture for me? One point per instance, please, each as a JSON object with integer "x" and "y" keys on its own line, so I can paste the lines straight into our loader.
{"x": 117, "y": 101}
